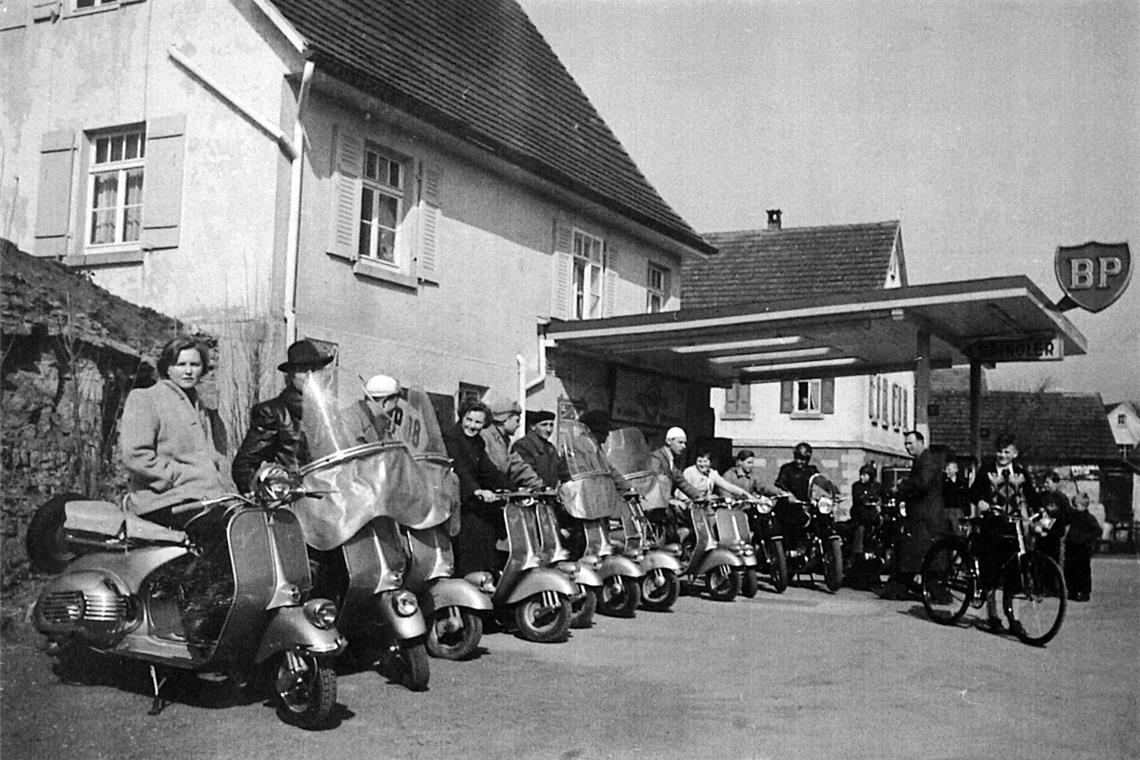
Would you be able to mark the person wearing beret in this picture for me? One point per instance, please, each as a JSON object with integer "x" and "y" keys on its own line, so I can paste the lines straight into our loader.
{"x": 536, "y": 449}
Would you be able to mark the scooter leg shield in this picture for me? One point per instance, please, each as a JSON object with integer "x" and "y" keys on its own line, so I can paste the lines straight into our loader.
{"x": 453, "y": 592}
{"x": 615, "y": 564}
{"x": 542, "y": 579}
{"x": 289, "y": 629}
{"x": 403, "y": 626}
{"x": 718, "y": 557}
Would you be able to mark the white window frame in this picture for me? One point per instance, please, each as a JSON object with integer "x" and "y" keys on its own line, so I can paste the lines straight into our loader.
{"x": 807, "y": 397}
{"x": 587, "y": 275}
{"x": 376, "y": 187}
{"x": 656, "y": 288}
{"x": 92, "y": 6}
{"x": 121, "y": 168}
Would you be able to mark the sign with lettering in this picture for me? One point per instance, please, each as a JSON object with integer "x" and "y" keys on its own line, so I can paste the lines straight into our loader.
{"x": 648, "y": 399}
{"x": 1045, "y": 349}
{"x": 1093, "y": 275}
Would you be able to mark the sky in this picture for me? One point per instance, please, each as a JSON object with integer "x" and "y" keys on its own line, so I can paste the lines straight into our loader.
{"x": 995, "y": 132}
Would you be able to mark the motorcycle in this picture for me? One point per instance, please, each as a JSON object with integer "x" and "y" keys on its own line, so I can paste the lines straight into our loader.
{"x": 811, "y": 541}
{"x": 453, "y": 607}
{"x": 591, "y": 496}
{"x": 768, "y": 541}
{"x": 526, "y": 589}
{"x": 360, "y": 555}
{"x": 124, "y": 598}
{"x": 628, "y": 452}
{"x": 880, "y": 545}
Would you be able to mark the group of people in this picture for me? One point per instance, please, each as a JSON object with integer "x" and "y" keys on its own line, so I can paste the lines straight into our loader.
{"x": 174, "y": 449}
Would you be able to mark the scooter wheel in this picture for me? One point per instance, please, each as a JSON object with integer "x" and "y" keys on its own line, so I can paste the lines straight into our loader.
{"x": 659, "y": 590}
{"x": 541, "y": 621}
{"x": 304, "y": 690}
{"x": 582, "y": 609}
{"x": 453, "y": 633}
{"x": 749, "y": 583}
{"x": 722, "y": 583}
{"x": 406, "y": 663}
{"x": 619, "y": 597}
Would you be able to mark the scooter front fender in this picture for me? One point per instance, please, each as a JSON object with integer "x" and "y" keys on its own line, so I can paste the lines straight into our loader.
{"x": 453, "y": 592}
{"x": 541, "y": 579}
{"x": 615, "y": 564}
{"x": 402, "y": 626}
{"x": 659, "y": 560}
{"x": 718, "y": 557}
{"x": 289, "y": 629}
{"x": 588, "y": 576}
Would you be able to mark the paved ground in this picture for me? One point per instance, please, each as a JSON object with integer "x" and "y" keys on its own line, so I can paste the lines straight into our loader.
{"x": 802, "y": 675}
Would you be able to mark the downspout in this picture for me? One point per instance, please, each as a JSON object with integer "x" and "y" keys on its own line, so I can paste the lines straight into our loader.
{"x": 525, "y": 386}
{"x": 293, "y": 241}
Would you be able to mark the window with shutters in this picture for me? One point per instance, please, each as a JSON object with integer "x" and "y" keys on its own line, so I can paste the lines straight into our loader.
{"x": 381, "y": 205}
{"x": 115, "y": 189}
{"x": 807, "y": 397}
{"x": 86, "y": 5}
{"x": 738, "y": 402}
{"x": 587, "y": 277}
{"x": 657, "y": 288}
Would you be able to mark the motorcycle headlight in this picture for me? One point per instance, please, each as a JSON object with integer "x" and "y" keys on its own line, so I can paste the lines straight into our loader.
{"x": 321, "y": 613}
{"x": 404, "y": 603}
{"x": 764, "y": 506}
{"x": 825, "y": 505}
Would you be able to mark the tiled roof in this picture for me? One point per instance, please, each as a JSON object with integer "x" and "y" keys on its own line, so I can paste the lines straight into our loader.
{"x": 775, "y": 265}
{"x": 480, "y": 69}
{"x": 1051, "y": 428}
{"x": 41, "y": 295}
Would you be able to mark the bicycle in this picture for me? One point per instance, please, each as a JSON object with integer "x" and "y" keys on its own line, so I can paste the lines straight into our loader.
{"x": 1032, "y": 584}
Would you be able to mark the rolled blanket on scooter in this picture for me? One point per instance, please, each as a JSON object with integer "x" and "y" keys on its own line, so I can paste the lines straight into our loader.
{"x": 653, "y": 487}
{"x": 591, "y": 497}
{"x": 383, "y": 480}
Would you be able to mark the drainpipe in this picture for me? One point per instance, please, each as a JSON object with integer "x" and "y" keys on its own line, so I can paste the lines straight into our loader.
{"x": 527, "y": 385}
{"x": 292, "y": 243}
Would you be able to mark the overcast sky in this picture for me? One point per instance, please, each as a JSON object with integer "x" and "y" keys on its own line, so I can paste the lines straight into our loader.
{"x": 994, "y": 131}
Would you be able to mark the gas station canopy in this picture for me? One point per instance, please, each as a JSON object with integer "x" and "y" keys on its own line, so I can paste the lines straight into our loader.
{"x": 983, "y": 321}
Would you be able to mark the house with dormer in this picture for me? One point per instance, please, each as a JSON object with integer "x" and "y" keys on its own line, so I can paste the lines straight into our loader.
{"x": 849, "y": 420}
{"x": 420, "y": 187}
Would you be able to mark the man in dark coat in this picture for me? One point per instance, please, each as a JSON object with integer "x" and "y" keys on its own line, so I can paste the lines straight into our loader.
{"x": 921, "y": 490}
{"x": 536, "y": 449}
{"x": 275, "y": 433}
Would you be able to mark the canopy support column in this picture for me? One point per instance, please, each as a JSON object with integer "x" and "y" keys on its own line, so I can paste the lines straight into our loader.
{"x": 976, "y": 410}
{"x": 922, "y": 382}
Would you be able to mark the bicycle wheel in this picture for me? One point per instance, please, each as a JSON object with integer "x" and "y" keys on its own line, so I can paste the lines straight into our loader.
{"x": 947, "y": 581}
{"x": 1034, "y": 598}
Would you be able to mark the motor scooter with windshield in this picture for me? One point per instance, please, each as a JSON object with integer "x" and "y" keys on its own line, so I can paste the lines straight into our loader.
{"x": 125, "y": 598}
{"x": 354, "y": 534}
{"x": 453, "y": 608}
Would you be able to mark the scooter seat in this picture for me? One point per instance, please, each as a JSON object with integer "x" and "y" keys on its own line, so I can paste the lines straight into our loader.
{"x": 102, "y": 518}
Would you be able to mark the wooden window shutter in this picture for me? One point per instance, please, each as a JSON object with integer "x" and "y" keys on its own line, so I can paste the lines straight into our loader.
{"x": 827, "y": 395}
{"x": 427, "y": 243}
{"x": 787, "y": 396}
{"x": 871, "y": 397}
{"x": 347, "y": 161}
{"x": 610, "y": 281}
{"x": 54, "y": 194}
{"x": 905, "y": 409}
{"x": 730, "y": 399}
{"x": 162, "y": 182}
{"x": 560, "y": 280}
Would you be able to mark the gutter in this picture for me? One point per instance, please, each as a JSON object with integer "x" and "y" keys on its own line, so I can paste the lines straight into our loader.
{"x": 293, "y": 241}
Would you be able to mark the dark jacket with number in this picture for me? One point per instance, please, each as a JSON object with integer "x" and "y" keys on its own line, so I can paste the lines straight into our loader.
{"x": 274, "y": 435}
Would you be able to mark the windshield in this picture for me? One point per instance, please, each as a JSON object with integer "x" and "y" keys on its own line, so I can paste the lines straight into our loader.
{"x": 356, "y": 476}
{"x": 415, "y": 423}
{"x": 628, "y": 451}
{"x": 591, "y": 492}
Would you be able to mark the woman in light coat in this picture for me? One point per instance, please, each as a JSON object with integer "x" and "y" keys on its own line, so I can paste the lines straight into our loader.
{"x": 173, "y": 446}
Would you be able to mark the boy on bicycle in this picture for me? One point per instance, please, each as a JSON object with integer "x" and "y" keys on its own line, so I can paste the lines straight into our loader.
{"x": 1001, "y": 489}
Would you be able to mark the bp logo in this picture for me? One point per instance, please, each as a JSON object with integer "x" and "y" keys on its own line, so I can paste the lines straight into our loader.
{"x": 1093, "y": 275}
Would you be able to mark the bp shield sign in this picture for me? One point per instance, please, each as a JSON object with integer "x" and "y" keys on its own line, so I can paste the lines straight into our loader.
{"x": 1093, "y": 275}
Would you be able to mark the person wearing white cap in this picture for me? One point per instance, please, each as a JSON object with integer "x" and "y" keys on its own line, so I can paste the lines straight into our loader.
{"x": 371, "y": 418}
{"x": 667, "y": 461}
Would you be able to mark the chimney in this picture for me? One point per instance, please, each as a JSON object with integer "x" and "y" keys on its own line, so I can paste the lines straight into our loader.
{"x": 774, "y": 218}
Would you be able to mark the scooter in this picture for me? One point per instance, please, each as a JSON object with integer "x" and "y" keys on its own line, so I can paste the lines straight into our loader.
{"x": 812, "y": 542}
{"x": 537, "y": 597}
{"x": 122, "y": 599}
{"x": 354, "y": 536}
{"x": 730, "y": 522}
{"x": 591, "y": 496}
{"x": 452, "y": 607}
{"x": 703, "y": 559}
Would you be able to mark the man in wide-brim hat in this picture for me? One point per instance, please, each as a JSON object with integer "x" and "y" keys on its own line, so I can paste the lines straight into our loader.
{"x": 275, "y": 433}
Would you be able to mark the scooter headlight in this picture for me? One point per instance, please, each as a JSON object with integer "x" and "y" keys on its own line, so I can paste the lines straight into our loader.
{"x": 747, "y": 550}
{"x": 404, "y": 603}
{"x": 825, "y": 505}
{"x": 321, "y": 613}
